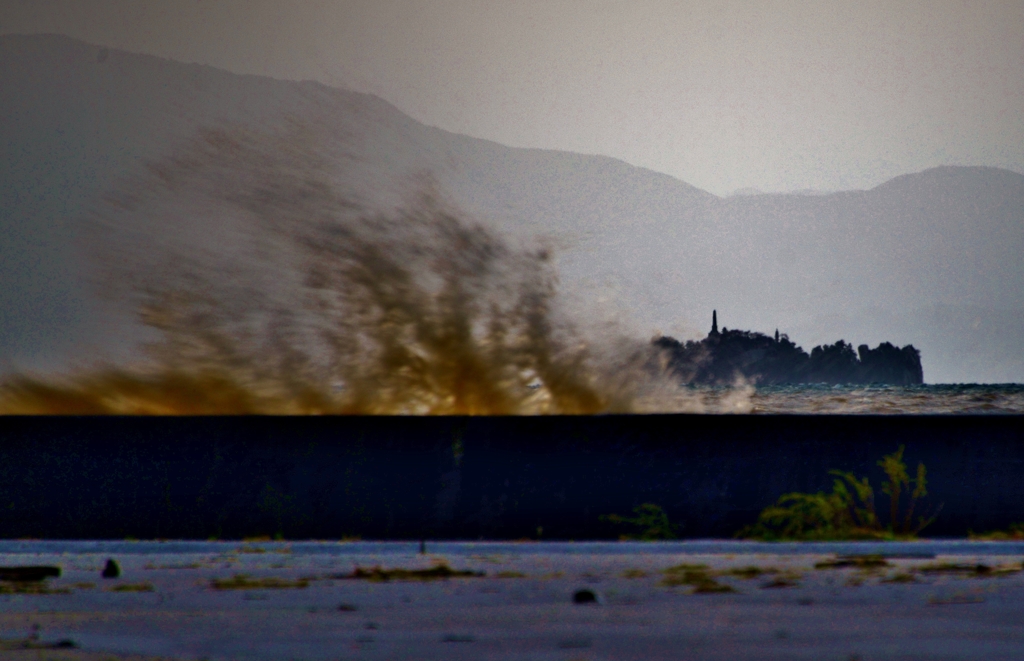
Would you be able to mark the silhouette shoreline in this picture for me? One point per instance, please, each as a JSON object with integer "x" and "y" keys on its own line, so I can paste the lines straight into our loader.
{"x": 725, "y": 356}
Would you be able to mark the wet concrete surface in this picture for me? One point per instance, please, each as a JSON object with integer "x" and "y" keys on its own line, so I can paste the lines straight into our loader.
{"x": 691, "y": 600}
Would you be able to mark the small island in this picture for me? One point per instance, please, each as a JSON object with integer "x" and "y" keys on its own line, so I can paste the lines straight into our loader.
{"x": 725, "y": 356}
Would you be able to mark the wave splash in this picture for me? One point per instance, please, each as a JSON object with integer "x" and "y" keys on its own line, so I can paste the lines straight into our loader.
{"x": 269, "y": 291}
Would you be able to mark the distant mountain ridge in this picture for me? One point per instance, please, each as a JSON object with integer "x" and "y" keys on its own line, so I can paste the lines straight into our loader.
{"x": 931, "y": 259}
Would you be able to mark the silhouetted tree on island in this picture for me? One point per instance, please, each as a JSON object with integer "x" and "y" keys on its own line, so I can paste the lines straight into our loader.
{"x": 724, "y": 356}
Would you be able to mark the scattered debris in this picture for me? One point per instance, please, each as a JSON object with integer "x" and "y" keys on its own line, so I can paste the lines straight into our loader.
{"x": 29, "y": 573}
{"x": 510, "y": 574}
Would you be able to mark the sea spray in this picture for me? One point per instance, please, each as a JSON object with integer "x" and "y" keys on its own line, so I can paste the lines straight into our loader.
{"x": 271, "y": 292}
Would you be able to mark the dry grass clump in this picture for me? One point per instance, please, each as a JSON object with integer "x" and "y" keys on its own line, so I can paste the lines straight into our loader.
{"x": 870, "y": 561}
{"x": 783, "y": 580}
{"x": 900, "y": 577}
{"x": 23, "y": 587}
{"x": 696, "y": 576}
{"x": 750, "y": 572}
{"x": 133, "y": 587}
{"x": 978, "y": 570}
{"x": 243, "y": 582}
{"x": 439, "y": 571}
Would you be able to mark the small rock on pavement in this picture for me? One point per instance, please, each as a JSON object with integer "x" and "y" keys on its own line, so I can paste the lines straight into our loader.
{"x": 111, "y": 569}
{"x": 584, "y": 597}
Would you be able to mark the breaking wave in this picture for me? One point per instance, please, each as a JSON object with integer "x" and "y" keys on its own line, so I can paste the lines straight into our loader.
{"x": 268, "y": 291}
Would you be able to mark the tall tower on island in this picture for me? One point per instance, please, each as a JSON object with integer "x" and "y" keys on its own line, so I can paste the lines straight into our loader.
{"x": 714, "y": 324}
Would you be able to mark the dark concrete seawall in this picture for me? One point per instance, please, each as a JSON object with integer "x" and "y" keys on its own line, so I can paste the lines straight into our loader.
{"x": 467, "y": 478}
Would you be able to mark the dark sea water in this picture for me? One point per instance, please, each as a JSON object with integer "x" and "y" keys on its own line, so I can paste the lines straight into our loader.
{"x": 981, "y": 399}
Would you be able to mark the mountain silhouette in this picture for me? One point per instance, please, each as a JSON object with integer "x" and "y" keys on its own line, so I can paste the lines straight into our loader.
{"x": 930, "y": 258}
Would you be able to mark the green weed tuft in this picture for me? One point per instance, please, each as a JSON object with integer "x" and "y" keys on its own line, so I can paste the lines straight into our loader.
{"x": 848, "y": 512}
{"x": 650, "y": 519}
{"x": 510, "y": 574}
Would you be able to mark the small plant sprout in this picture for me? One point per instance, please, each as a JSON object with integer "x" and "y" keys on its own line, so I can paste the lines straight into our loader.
{"x": 650, "y": 519}
{"x": 896, "y": 470}
{"x": 1014, "y": 532}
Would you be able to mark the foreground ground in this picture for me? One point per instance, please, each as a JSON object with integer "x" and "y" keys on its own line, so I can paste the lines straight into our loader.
{"x": 675, "y": 601}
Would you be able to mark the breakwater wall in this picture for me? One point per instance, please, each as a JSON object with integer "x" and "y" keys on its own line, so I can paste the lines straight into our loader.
{"x": 472, "y": 478}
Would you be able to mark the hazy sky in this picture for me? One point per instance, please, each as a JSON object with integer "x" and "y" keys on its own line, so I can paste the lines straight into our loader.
{"x": 778, "y": 96}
